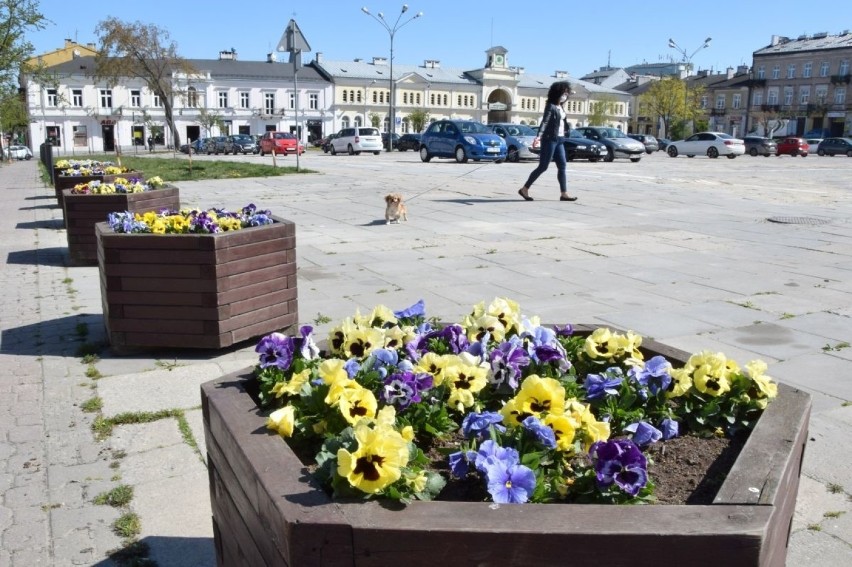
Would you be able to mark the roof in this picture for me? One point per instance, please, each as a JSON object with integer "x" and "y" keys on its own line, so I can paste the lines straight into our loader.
{"x": 815, "y": 42}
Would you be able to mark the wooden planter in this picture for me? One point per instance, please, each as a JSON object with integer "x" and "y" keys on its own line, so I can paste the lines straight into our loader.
{"x": 267, "y": 511}
{"x": 83, "y": 212}
{"x": 197, "y": 290}
{"x": 62, "y": 182}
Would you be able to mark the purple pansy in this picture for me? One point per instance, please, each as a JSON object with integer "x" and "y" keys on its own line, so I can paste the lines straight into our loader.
{"x": 460, "y": 462}
{"x": 644, "y": 433}
{"x": 478, "y": 424}
{"x": 275, "y": 350}
{"x": 605, "y": 384}
{"x": 654, "y": 376}
{"x": 544, "y": 434}
{"x": 506, "y": 362}
{"x": 403, "y": 388}
{"x": 416, "y": 310}
{"x": 670, "y": 428}
{"x": 490, "y": 451}
{"x": 619, "y": 462}
{"x": 509, "y": 483}
{"x": 307, "y": 347}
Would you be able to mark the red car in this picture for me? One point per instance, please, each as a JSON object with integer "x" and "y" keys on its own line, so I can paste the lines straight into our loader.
{"x": 794, "y": 147}
{"x": 282, "y": 142}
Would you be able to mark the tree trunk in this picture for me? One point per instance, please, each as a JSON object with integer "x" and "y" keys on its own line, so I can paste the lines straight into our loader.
{"x": 167, "y": 106}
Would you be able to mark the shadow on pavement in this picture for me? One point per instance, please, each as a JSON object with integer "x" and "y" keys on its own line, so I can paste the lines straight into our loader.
{"x": 37, "y": 207}
{"x": 171, "y": 551}
{"x": 58, "y": 337}
{"x": 47, "y": 223}
{"x": 40, "y": 257}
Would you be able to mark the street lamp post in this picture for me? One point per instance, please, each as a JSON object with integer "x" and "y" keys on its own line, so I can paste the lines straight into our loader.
{"x": 380, "y": 17}
{"x": 687, "y": 59}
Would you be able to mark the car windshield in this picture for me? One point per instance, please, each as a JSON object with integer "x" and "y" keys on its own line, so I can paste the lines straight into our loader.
{"x": 519, "y": 130}
{"x": 473, "y": 128}
{"x": 369, "y": 132}
{"x": 612, "y": 133}
{"x": 576, "y": 134}
{"x": 283, "y": 136}
{"x": 724, "y": 136}
{"x": 242, "y": 138}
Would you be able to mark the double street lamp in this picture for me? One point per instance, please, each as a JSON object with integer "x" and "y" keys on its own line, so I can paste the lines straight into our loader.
{"x": 687, "y": 60}
{"x": 392, "y": 29}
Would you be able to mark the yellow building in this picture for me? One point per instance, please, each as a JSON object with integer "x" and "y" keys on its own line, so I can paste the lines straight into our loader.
{"x": 70, "y": 51}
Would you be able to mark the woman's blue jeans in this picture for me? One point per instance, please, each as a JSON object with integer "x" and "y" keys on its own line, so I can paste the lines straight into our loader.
{"x": 550, "y": 149}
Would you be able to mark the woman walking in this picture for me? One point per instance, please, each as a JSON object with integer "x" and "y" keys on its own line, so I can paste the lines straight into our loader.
{"x": 550, "y": 134}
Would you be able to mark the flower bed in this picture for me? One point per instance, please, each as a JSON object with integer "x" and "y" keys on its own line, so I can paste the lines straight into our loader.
{"x": 269, "y": 509}
{"x": 87, "y": 204}
{"x": 203, "y": 290}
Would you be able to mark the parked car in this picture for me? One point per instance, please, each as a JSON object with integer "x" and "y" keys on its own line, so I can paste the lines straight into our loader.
{"x": 241, "y": 144}
{"x": 215, "y": 145}
{"x": 385, "y": 140}
{"x": 618, "y": 144}
{"x": 578, "y": 147}
{"x": 832, "y": 147}
{"x": 462, "y": 140}
{"x": 281, "y": 143}
{"x": 793, "y": 146}
{"x": 813, "y": 142}
{"x": 663, "y": 143}
{"x": 651, "y": 144}
{"x": 408, "y": 142}
{"x": 356, "y": 140}
{"x": 519, "y": 140}
{"x": 326, "y": 142}
{"x": 760, "y": 146}
{"x": 711, "y": 144}
{"x": 18, "y": 152}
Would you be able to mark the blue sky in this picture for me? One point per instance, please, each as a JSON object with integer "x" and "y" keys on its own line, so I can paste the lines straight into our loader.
{"x": 546, "y": 36}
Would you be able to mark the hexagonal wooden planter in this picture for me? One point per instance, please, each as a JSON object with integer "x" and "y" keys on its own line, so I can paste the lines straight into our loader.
{"x": 197, "y": 290}
{"x": 62, "y": 182}
{"x": 83, "y": 212}
{"x": 267, "y": 511}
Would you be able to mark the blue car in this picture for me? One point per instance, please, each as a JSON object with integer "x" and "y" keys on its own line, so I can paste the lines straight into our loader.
{"x": 462, "y": 140}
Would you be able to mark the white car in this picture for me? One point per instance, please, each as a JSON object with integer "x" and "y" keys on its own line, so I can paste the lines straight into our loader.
{"x": 353, "y": 141}
{"x": 18, "y": 152}
{"x": 710, "y": 144}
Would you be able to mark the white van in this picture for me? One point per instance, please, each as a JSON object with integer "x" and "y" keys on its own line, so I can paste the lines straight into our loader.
{"x": 356, "y": 140}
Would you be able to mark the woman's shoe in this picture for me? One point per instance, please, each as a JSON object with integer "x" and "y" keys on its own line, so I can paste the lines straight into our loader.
{"x": 523, "y": 194}
{"x": 567, "y": 198}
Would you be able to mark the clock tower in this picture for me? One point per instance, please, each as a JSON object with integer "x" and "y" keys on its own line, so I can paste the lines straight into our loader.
{"x": 497, "y": 58}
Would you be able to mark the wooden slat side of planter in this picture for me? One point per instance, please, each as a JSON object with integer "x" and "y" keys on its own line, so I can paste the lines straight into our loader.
{"x": 314, "y": 533}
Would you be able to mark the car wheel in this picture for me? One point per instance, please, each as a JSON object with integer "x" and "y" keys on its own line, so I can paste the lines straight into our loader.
{"x": 610, "y": 156}
{"x": 350, "y": 150}
{"x": 820, "y": 152}
{"x": 635, "y": 159}
{"x": 649, "y": 152}
{"x": 712, "y": 152}
{"x": 804, "y": 154}
{"x": 752, "y": 152}
{"x": 461, "y": 156}
{"x": 513, "y": 155}
{"x": 424, "y": 154}
{"x": 690, "y": 155}
{"x": 672, "y": 151}
{"x": 731, "y": 156}
{"x": 333, "y": 151}
{"x": 593, "y": 159}
{"x": 29, "y": 157}
{"x": 376, "y": 153}
{"x": 848, "y": 154}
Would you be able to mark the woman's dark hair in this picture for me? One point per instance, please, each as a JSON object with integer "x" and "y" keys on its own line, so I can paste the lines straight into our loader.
{"x": 556, "y": 91}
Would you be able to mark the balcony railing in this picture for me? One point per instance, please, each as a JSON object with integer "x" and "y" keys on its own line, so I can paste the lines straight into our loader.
{"x": 717, "y": 112}
{"x": 770, "y": 107}
{"x": 841, "y": 79}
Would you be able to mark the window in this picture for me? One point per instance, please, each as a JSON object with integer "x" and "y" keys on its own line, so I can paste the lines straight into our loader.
{"x": 776, "y": 72}
{"x": 788, "y": 96}
{"x": 418, "y": 98}
{"x": 758, "y": 99}
{"x": 345, "y": 95}
{"x": 720, "y": 102}
{"x": 191, "y": 97}
{"x": 54, "y": 135}
{"x": 806, "y": 69}
{"x": 313, "y": 100}
{"x": 431, "y": 99}
{"x": 791, "y": 71}
{"x": 158, "y": 101}
{"x": 52, "y": 97}
{"x": 292, "y": 100}
{"x": 761, "y": 72}
{"x": 823, "y": 69}
{"x": 80, "y": 137}
{"x": 704, "y": 101}
{"x": 245, "y": 100}
{"x": 106, "y": 98}
{"x": 736, "y": 100}
{"x": 805, "y": 94}
{"x": 446, "y": 100}
{"x": 344, "y": 122}
{"x": 844, "y": 68}
{"x": 358, "y": 121}
{"x": 269, "y": 103}
{"x": 223, "y": 99}
{"x": 135, "y": 98}
{"x": 459, "y": 100}
{"x": 772, "y": 96}
{"x": 375, "y": 97}
{"x": 821, "y": 93}
{"x": 77, "y": 97}
{"x": 840, "y": 95}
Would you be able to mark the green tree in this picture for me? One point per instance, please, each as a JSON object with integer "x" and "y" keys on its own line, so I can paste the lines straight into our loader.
{"x": 375, "y": 119}
{"x": 418, "y": 119}
{"x": 209, "y": 119}
{"x": 145, "y": 52}
{"x": 663, "y": 100}
{"x": 17, "y": 17}
{"x": 602, "y": 110}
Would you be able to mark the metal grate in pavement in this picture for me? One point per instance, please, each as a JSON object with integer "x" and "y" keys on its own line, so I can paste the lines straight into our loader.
{"x": 798, "y": 220}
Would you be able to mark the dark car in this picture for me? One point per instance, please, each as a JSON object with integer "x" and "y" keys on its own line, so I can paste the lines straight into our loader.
{"x": 408, "y": 142}
{"x": 651, "y": 144}
{"x": 215, "y": 145}
{"x": 618, "y": 144}
{"x": 578, "y": 147}
{"x": 385, "y": 139}
{"x": 835, "y": 146}
{"x": 663, "y": 143}
{"x": 793, "y": 146}
{"x": 326, "y": 142}
{"x": 462, "y": 140}
{"x": 760, "y": 146}
{"x": 241, "y": 144}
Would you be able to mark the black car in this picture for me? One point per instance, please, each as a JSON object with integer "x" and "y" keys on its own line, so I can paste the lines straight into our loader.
{"x": 835, "y": 146}
{"x": 215, "y": 145}
{"x": 651, "y": 144}
{"x": 578, "y": 147}
{"x": 618, "y": 144}
{"x": 326, "y": 143}
{"x": 241, "y": 144}
{"x": 408, "y": 142}
{"x": 385, "y": 140}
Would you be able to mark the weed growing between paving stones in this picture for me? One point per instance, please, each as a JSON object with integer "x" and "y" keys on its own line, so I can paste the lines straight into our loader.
{"x": 90, "y": 349}
{"x": 92, "y": 405}
{"x": 127, "y": 525}
{"x": 835, "y": 488}
{"x": 93, "y": 373}
{"x": 118, "y": 497}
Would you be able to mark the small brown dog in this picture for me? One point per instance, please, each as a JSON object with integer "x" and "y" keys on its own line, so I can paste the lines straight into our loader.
{"x": 395, "y": 208}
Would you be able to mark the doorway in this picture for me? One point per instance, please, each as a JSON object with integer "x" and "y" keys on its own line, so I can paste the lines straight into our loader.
{"x": 193, "y": 133}
{"x": 108, "y": 135}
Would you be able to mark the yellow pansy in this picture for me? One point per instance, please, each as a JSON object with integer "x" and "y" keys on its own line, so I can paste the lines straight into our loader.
{"x": 563, "y": 429}
{"x": 433, "y": 364}
{"x": 681, "y": 382}
{"x": 381, "y": 316}
{"x": 476, "y": 328}
{"x": 604, "y": 343}
{"x": 378, "y": 460}
{"x": 710, "y": 372}
{"x": 282, "y": 420}
{"x": 756, "y": 370}
{"x": 465, "y": 376}
{"x": 356, "y": 404}
{"x": 292, "y": 386}
{"x": 361, "y": 342}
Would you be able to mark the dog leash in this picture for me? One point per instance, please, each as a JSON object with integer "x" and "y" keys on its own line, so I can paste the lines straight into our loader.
{"x": 453, "y": 179}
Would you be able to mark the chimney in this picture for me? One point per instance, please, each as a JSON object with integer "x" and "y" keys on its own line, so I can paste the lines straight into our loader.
{"x": 69, "y": 43}
{"x": 270, "y": 57}
{"x": 228, "y": 55}
{"x": 432, "y": 64}
{"x": 560, "y": 74}
{"x": 380, "y": 60}
{"x": 318, "y": 58}
{"x": 729, "y": 72}
{"x": 775, "y": 40}
{"x": 742, "y": 69}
